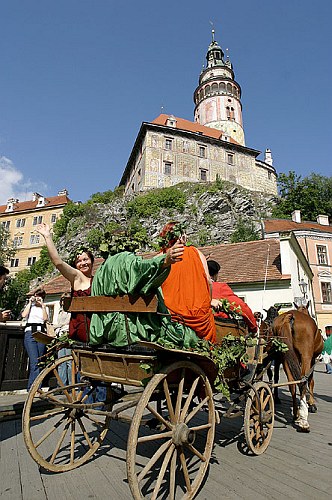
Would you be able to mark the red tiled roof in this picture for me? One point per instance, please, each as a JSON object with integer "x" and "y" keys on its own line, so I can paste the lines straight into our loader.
{"x": 22, "y": 206}
{"x": 246, "y": 262}
{"x": 189, "y": 126}
{"x": 279, "y": 225}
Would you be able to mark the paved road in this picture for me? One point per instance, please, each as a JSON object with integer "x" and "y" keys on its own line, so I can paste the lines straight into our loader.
{"x": 294, "y": 466}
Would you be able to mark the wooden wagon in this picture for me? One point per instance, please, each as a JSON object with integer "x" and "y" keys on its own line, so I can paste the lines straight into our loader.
{"x": 165, "y": 395}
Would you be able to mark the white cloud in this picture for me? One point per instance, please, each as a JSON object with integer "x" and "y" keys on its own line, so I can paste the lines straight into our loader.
{"x": 13, "y": 185}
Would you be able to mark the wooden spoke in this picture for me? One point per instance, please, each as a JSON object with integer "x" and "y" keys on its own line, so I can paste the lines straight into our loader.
{"x": 189, "y": 398}
{"x": 179, "y": 396}
{"x": 153, "y": 460}
{"x": 266, "y": 400}
{"x": 195, "y": 452}
{"x": 161, "y": 475}
{"x": 172, "y": 475}
{"x": 201, "y": 427}
{"x": 185, "y": 470}
{"x": 57, "y": 448}
{"x": 168, "y": 401}
{"x": 49, "y": 432}
{"x": 72, "y": 442}
{"x": 44, "y": 416}
{"x": 195, "y": 410}
{"x": 83, "y": 429}
{"x": 61, "y": 384}
{"x": 158, "y": 416}
{"x": 94, "y": 420}
{"x": 258, "y": 432}
{"x": 152, "y": 437}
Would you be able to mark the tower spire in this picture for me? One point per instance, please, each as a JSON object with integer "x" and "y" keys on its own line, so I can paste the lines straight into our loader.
{"x": 218, "y": 95}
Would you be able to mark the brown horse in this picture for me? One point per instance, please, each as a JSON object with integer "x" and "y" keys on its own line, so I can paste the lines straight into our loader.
{"x": 299, "y": 331}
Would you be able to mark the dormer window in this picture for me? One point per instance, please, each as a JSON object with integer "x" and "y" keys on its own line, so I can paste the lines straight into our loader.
{"x": 171, "y": 121}
{"x": 11, "y": 204}
{"x": 41, "y": 201}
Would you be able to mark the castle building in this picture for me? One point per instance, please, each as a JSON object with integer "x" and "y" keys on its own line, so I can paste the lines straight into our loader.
{"x": 21, "y": 219}
{"x": 170, "y": 150}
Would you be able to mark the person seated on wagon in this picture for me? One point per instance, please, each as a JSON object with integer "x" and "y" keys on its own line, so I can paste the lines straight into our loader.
{"x": 126, "y": 273}
{"x": 223, "y": 291}
{"x": 187, "y": 289}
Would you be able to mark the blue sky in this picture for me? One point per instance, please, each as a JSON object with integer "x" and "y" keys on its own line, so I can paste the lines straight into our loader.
{"x": 79, "y": 76}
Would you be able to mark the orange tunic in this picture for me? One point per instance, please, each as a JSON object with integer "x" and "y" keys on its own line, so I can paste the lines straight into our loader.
{"x": 187, "y": 295}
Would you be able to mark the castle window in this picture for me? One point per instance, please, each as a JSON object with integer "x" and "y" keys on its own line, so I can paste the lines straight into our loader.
{"x": 6, "y": 224}
{"x": 202, "y": 151}
{"x": 167, "y": 168}
{"x": 18, "y": 241}
{"x": 207, "y": 89}
{"x": 228, "y": 112}
{"x": 53, "y": 218}
{"x": 14, "y": 262}
{"x": 222, "y": 87}
{"x": 214, "y": 87}
{"x": 230, "y": 158}
{"x": 20, "y": 223}
{"x": 322, "y": 255}
{"x": 203, "y": 174}
{"x": 168, "y": 144}
{"x": 37, "y": 220}
{"x": 269, "y": 175}
{"x": 326, "y": 292}
{"x": 34, "y": 239}
{"x": 31, "y": 260}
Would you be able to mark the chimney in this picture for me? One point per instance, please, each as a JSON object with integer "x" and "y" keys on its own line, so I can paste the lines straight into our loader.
{"x": 268, "y": 157}
{"x": 296, "y": 216}
{"x": 63, "y": 192}
{"x": 323, "y": 220}
{"x": 171, "y": 121}
{"x": 35, "y": 196}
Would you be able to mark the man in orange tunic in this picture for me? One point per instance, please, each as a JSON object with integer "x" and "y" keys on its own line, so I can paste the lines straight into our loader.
{"x": 187, "y": 289}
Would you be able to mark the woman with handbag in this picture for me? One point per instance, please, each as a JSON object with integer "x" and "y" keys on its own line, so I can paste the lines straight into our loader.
{"x": 36, "y": 316}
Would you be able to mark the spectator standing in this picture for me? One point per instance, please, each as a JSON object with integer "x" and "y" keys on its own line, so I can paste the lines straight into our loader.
{"x": 36, "y": 315}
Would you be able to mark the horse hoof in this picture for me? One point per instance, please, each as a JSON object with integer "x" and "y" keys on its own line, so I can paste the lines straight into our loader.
{"x": 303, "y": 429}
{"x": 301, "y": 425}
{"x": 312, "y": 409}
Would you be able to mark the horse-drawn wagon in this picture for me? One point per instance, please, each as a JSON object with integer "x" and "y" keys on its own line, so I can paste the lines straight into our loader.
{"x": 166, "y": 395}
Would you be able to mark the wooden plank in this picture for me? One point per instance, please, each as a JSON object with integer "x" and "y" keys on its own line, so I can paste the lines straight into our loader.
{"x": 126, "y": 303}
{"x": 10, "y": 484}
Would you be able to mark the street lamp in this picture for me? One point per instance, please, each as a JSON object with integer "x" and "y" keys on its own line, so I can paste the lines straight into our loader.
{"x": 303, "y": 287}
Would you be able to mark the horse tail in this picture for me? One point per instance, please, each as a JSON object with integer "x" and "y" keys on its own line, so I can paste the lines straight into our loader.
{"x": 283, "y": 327}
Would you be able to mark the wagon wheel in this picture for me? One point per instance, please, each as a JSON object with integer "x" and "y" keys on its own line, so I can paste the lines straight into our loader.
{"x": 173, "y": 455}
{"x": 60, "y": 430}
{"x": 258, "y": 427}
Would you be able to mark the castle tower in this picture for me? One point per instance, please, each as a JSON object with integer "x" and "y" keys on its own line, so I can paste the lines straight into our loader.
{"x": 218, "y": 96}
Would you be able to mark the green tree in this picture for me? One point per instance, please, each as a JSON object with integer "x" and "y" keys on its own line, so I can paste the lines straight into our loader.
{"x": 244, "y": 231}
{"x": 312, "y": 195}
{"x": 7, "y": 251}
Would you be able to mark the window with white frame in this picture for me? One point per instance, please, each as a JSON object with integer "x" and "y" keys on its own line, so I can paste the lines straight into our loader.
{"x": 168, "y": 144}
{"x": 31, "y": 260}
{"x": 230, "y": 158}
{"x": 326, "y": 292}
{"x": 53, "y": 218}
{"x": 37, "y": 220}
{"x": 20, "y": 222}
{"x": 203, "y": 174}
{"x": 14, "y": 262}
{"x": 6, "y": 224}
{"x": 167, "y": 168}
{"x": 202, "y": 151}
{"x": 34, "y": 239}
{"x": 18, "y": 241}
{"x": 322, "y": 254}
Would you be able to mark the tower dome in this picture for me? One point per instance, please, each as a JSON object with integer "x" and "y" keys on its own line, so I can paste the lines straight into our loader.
{"x": 218, "y": 96}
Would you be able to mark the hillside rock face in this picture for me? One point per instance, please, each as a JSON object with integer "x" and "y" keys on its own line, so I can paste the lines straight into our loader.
{"x": 210, "y": 216}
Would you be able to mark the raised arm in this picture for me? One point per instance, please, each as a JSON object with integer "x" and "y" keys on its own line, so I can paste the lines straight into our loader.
{"x": 69, "y": 272}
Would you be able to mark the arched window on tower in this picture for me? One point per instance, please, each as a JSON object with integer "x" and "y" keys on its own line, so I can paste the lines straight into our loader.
{"x": 229, "y": 88}
{"x": 214, "y": 88}
{"x": 222, "y": 87}
{"x": 228, "y": 112}
{"x": 232, "y": 115}
{"x": 207, "y": 90}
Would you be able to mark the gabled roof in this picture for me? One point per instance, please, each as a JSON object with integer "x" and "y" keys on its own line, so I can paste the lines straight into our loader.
{"x": 280, "y": 225}
{"x": 182, "y": 124}
{"x": 23, "y": 206}
{"x": 247, "y": 262}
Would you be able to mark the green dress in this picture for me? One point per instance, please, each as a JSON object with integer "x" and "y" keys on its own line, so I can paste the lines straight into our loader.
{"x": 125, "y": 273}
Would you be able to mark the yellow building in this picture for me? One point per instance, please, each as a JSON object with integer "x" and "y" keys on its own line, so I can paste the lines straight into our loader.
{"x": 21, "y": 219}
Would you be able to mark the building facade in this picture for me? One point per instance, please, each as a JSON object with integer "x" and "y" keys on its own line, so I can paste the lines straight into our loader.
{"x": 21, "y": 219}
{"x": 315, "y": 239}
{"x": 171, "y": 150}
